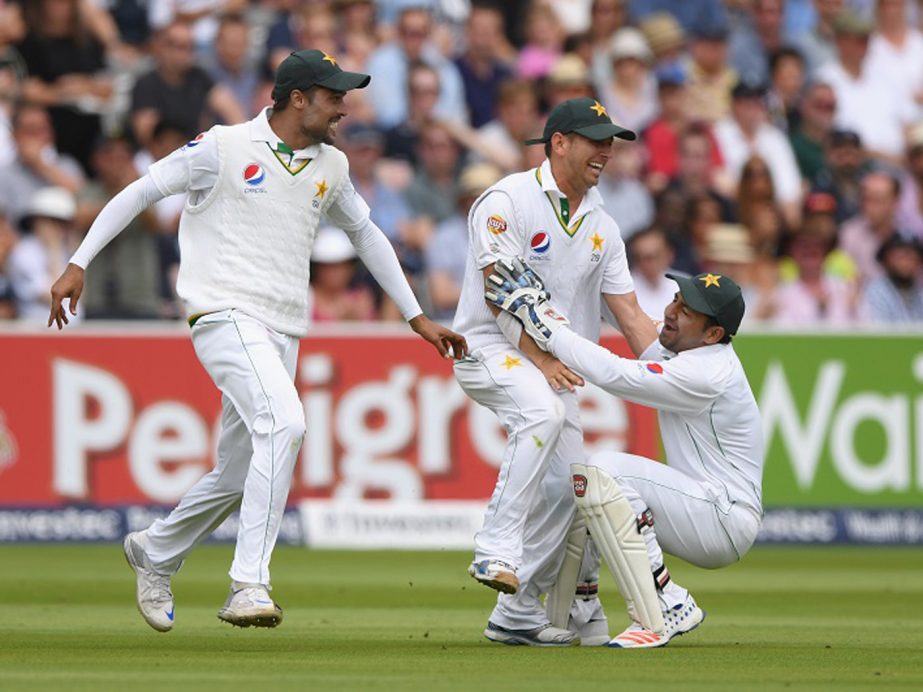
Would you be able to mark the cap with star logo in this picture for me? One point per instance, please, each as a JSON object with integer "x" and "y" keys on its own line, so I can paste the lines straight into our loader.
{"x": 714, "y": 295}
{"x": 585, "y": 116}
{"x": 306, "y": 68}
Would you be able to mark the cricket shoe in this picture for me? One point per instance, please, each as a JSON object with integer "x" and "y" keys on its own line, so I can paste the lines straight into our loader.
{"x": 496, "y": 574}
{"x": 678, "y": 620}
{"x": 250, "y": 605}
{"x": 154, "y": 597}
{"x": 589, "y": 621}
{"x": 546, "y": 635}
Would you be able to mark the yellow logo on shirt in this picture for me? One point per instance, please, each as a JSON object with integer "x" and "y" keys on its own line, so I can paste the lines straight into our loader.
{"x": 496, "y": 224}
{"x": 598, "y": 241}
{"x": 321, "y": 189}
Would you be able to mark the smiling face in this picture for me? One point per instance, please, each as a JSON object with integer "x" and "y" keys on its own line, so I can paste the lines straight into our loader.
{"x": 321, "y": 110}
{"x": 684, "y": 328}
{"x": 581, "y": 159}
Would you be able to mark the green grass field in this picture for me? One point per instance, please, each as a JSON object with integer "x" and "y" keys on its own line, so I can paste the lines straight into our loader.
{"x": 785, "y": 618}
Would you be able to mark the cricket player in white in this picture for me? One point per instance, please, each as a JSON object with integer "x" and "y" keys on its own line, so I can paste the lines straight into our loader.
{"x": 256, "y": 193}
{"x": 706, "y": 505}
{"x": 554, "y": 216}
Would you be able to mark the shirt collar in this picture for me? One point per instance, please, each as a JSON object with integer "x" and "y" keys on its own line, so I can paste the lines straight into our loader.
{"x": 261, "y": 131}
{"x": 591, "y": 199}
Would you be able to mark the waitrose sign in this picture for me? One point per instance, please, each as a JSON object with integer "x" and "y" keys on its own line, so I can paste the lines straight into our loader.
{"x": 842, "y": 418}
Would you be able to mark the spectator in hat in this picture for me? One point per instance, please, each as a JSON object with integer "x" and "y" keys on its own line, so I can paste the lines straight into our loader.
{"x": 815, "y": 123}
{"x": 863, "y": 235}
{"x": 568, "y": 79}
{"x": 650, "y": 257}
{"x": 896, "y": 51}
{"x": 665, "y": 37}
{"x": 817, "y": 44}
{"x": 867, "y": 102}
{"x": 754, "y": 38}
{"x": 37, "y": 164}
{"x": 42, "y": 252}
{"x": 910, "y": 206}
{"x": 845, "y": 164}
{"x": 819, "y": 219}
{"x": 746, "y": 133}
{"x": 482, "y": 66}
{"x": 701, "y": 15}
{"x": 897, "y": 295}
{"x": 661, "y": 137}
{"x": 447, "y": 249}
{"x": 709, "y": 77}
{"x": 390, "y": 63}
{"x": 337, "y": 295}
{"x": 630, "y": 96}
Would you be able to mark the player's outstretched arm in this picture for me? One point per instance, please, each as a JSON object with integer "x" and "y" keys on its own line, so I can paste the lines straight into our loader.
{"x": 448, "y": 343}
{"x": 69, "y": 285}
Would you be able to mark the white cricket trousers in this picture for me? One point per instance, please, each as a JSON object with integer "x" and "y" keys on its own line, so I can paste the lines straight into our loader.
{"x": 693, "y": 519}
{"x": 262, "y": 428}
{"x": 532, "y": 504}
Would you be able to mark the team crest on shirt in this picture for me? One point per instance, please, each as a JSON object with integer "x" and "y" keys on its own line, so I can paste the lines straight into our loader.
{"x": 655, "y": 368}
{"x": 254, "y": 175}
{"x": 496, "y": 224}
{"x": 539, "y": 245}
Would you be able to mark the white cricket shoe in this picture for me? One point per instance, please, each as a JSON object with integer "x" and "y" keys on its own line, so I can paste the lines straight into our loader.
{"x": 250, "y": 605}
{"x": 496, "y": 574}
{"x": 589, "y": 621}
{"x": 680, "y": 619}
{"x": 154, "y": 597}
{"x": 546, "y": 635}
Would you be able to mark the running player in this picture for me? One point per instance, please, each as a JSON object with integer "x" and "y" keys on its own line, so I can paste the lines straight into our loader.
{"x": 256, "y": 193}
{"x": 553, "y": 215}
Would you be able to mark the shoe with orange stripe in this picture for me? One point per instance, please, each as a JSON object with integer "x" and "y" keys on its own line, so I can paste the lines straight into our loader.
{"x": 680, "y": 619}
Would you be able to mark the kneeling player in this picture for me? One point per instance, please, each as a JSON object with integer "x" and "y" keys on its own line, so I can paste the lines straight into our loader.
{"x": 705, "y": 507}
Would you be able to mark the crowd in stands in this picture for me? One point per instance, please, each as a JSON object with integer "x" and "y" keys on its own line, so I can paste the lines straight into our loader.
{"x": 780, "y": 142}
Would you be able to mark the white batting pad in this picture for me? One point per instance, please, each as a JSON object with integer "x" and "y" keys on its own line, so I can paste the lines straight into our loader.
{"x": 558, "y": 602}
{"x": 614, "y": 527}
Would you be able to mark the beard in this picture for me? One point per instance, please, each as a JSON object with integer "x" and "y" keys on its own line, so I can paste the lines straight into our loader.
{"x": 901, "y": 282}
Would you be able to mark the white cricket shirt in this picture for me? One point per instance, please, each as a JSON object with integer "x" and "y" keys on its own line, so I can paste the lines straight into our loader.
{"x": 579, "y": 254}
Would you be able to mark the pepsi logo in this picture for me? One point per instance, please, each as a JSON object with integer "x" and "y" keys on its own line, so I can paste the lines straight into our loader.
{"x": 540, "y": 242}
{"x": 254, "y": 174}
{"x": 194, "y": 142}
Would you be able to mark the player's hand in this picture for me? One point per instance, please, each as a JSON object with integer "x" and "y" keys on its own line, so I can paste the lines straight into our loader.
{"x": 448, "y": 343}
{"x": 69, "y": 285}
{"x": 559, "y": 376}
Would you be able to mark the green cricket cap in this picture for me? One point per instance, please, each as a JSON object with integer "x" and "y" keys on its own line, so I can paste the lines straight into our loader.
{"x": 715, "y": 295}
{"x": 586, "y": 116}
{"x": 306, "y": 68}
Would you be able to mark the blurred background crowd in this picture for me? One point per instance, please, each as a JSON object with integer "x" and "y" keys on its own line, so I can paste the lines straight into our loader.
{"x": 780, "y": 142}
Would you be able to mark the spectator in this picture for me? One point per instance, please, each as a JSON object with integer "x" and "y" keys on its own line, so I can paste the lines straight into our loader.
{"x": 623, "y": 194}
{"x": 481, "y": 66}
{"x": 867, "y": 102}
{"x": 662, "y": 137}
{"x": 544, "y": 42}
{"x": 754, "y": 39}
{"x": 910, "y": 207}
{"x": 568, "y": 79}
{"x": 200, "y": 15}
{"x": 37, "y": 164}
{"x": 819, "y": 220}
{"x": 337, "y": 295}
{"x": 815, "y": 298}
{"x": 281, "y": 35}
{"x": 756, "y": 208}
{"x": 390, "y": 63}
{"x": 423, "y": 93}
{"x": 896, "y": 51}
{"x": 863, "y": 235}
{"x": 815, "y": 123}
{"x": 701, "y": 15}
{"x": 630, "y": 96}
{"x": 8, "y": 238}
{"x": 501, "y": 140}
{"x": 897, "y": 295}
{"x": 124, "y": 282}
{"x": 42, "y": 253}
{"x": 818, "y": 45}
{"x": 651, "y": 256}
{"x": 846, "y": 164}
{"x": 178, "y": 90}
{"x": 606, "y": 17}
{"x": 66, "y": 64}
{"x": 746, "y": 133}
{"x": 231, "y": 66}
{"x": 786, "y": 86}
{"x": 447, "y": 249}
{"x": 710, "y": 79}
{"x": 696, "y": 175}
{"x": 665, "y": 37}
{"x": 433, "y": 191}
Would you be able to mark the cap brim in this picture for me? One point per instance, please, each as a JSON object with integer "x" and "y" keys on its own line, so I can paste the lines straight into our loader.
{"x": 535, "y": 140}
{"x": 603, "y": 131}
{"x": 692, "y": 294}
{"x": 345, "y": 81}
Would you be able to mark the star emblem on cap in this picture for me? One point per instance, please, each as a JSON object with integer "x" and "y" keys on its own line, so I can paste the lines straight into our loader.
{"x": 509, "y": 363}
{"x": 599, "y": 108}
{"x": 321, "y": 189}
{"x": 329, "y": 58}
{"x": 597, "y": 242}
{"x": 711, "y": 280}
